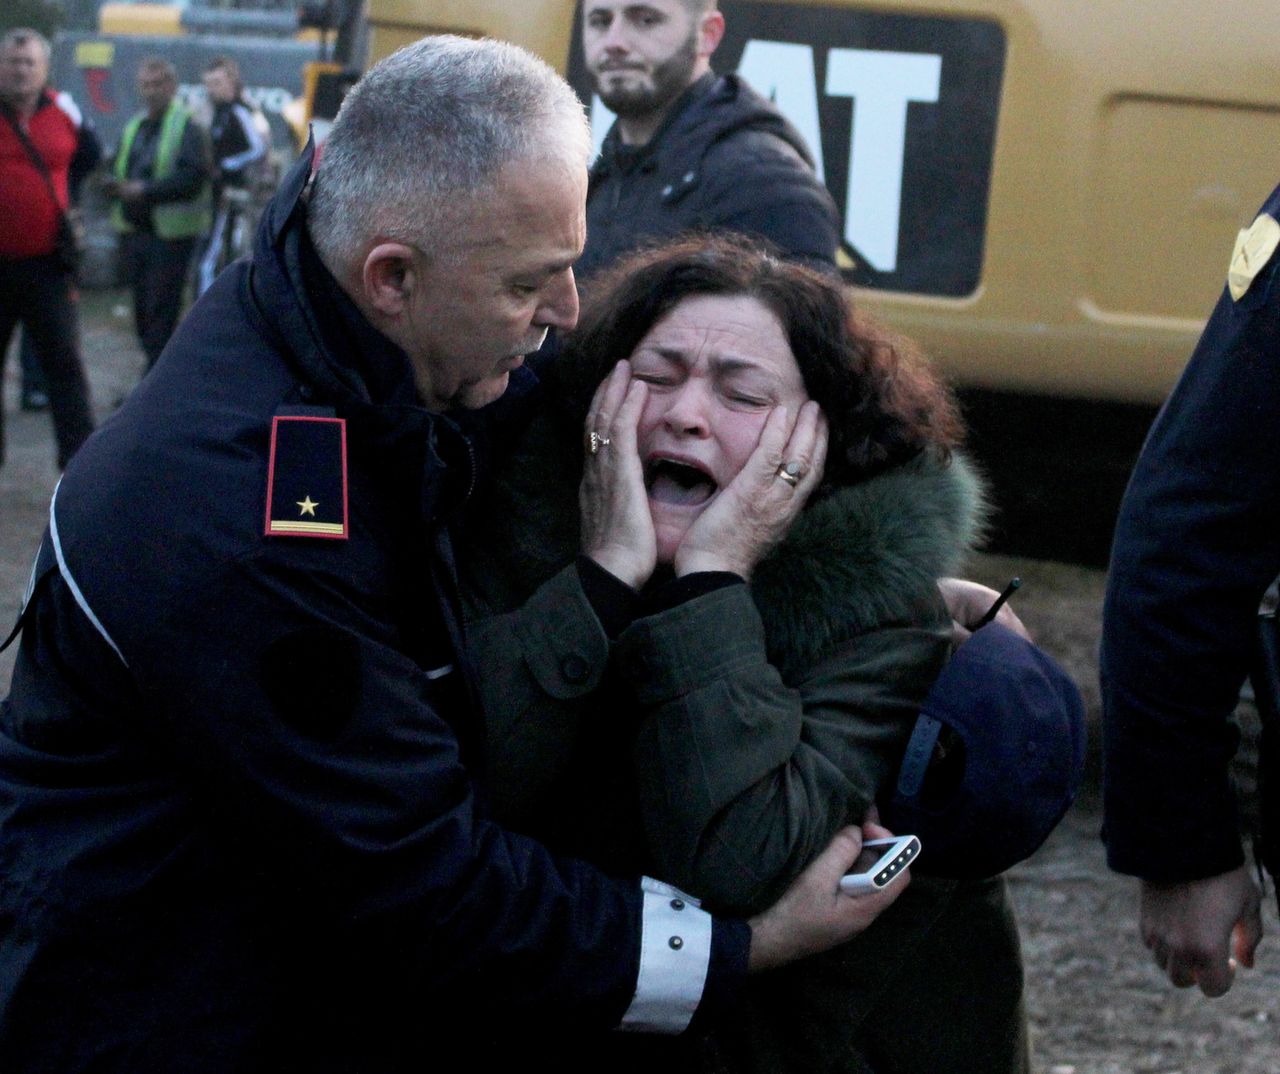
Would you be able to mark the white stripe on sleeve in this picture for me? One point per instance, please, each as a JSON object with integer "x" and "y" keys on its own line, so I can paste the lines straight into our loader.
{"x": 257, "y": 147}
{"x": 65, "y": 571}
{"x": 65, "y": 102}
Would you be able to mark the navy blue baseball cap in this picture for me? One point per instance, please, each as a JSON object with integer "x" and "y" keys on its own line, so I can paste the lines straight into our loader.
{"x": 995, "y": 758}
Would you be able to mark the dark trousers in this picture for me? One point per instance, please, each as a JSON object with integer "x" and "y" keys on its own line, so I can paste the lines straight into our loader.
{"x": 38, "y": 293}
{"x": 157, "y": 271}
{"x": 32, "y": 374}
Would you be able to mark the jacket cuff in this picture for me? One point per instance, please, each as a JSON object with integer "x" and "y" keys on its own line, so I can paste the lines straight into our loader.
{"x": 690, "y": 963}
{"x": 1170, "y": 810}
{"x": 613, "y": 601}
{"x": 686, "y": 588}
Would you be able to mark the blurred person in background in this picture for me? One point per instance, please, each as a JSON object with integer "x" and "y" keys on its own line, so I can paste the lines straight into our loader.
{"x": 239, "y": 139}
{"x": 44, "y": 147}
{"x": 35, "y": 392}
{"x": 161, "y": 187}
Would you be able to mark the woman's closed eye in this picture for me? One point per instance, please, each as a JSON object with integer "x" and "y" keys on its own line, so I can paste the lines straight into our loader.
{"x": 660, "y": 380}
{"x": 746, "y": 389}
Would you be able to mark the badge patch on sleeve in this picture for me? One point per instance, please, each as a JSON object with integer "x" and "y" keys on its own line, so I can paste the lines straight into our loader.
{"x": 307, "y": 477}
{"x": 1255, "y": 246}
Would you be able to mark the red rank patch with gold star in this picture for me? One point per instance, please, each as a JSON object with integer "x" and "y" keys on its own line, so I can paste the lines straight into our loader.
{"x": 307, "y": 477}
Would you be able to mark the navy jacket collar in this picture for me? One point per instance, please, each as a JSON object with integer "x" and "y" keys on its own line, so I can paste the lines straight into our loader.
{"x": 341, "y": 353}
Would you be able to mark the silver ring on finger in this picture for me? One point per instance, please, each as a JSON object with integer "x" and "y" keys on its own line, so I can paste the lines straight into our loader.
{"x": 596, "y": 441}
{"x": 790, "y": 472}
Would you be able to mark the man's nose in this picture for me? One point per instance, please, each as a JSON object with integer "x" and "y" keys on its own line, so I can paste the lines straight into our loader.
{"x": 559, "y": 307}
{"x": 615, "y": 38}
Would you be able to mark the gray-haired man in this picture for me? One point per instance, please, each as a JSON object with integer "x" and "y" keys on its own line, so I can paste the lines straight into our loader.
{"x": 238, "y": 765}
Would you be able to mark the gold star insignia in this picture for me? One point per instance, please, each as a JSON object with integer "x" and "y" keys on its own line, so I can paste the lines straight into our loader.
{"x": 308, "y": 507}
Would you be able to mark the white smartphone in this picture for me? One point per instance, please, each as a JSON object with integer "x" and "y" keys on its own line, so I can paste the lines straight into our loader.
{"x": 880, "y": 863}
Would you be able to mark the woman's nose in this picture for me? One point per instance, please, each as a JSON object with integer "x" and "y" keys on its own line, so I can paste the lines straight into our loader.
{"x": 689, "y": 408}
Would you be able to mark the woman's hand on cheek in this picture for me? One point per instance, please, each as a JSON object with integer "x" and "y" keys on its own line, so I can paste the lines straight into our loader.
{"x": 754, "y": 511}
{"x": 617, "y": 529}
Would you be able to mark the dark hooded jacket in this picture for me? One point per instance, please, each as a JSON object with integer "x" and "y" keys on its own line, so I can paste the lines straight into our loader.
{"x": 240, "y": 827}
{"x": 723, "y": 159}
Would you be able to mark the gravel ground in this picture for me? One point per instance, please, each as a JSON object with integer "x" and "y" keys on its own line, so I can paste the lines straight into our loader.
{"x": 1096, "y": 1002}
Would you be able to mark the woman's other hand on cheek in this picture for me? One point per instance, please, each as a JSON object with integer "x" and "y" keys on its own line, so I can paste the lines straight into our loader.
{"x": 755, "y": 511}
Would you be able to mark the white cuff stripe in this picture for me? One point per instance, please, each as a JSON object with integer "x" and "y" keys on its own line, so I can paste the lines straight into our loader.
{"x": 675, "y": 952}
{"x": 65, "y": 571}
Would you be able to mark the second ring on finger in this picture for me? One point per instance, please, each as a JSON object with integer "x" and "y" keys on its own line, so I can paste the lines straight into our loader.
{"x": 790, "y": 472}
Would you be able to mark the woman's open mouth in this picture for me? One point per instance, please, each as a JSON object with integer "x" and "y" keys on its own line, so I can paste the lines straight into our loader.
{"x": 678, "y": 483}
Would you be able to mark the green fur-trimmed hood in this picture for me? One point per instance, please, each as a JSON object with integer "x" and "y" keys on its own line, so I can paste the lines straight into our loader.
{"x": 865, "y": 556}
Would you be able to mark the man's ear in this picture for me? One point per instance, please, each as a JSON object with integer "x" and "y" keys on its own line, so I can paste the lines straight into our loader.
{"x": 387, "y": 277}
{"x": 710, "y": 33}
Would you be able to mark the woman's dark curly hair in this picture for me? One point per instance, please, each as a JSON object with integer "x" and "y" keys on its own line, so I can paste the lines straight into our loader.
{"x": 883, "y": 402}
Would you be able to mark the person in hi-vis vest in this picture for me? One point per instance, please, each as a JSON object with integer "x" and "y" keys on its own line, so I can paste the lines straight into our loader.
{"x": 161, "y": 186}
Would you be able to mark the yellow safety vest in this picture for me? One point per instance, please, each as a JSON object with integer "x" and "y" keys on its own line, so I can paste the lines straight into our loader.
{"x": 175, "y": 219}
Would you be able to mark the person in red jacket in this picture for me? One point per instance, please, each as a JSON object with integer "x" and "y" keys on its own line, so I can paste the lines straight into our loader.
{"x": 36, "y": 287}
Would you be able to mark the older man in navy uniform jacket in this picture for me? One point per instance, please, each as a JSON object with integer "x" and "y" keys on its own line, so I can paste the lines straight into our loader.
{"x": 240, "y": 821}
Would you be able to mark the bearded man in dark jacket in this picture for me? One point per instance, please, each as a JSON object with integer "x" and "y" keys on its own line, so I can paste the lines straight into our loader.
{"x": 691, "y": 150}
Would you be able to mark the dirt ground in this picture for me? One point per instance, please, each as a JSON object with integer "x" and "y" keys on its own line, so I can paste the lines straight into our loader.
{"x": 1096, "y": 1002}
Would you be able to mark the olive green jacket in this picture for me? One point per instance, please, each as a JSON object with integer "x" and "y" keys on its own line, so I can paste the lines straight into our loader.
{"x": 747, "y": 724}
{"x": 720, "y": 743}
